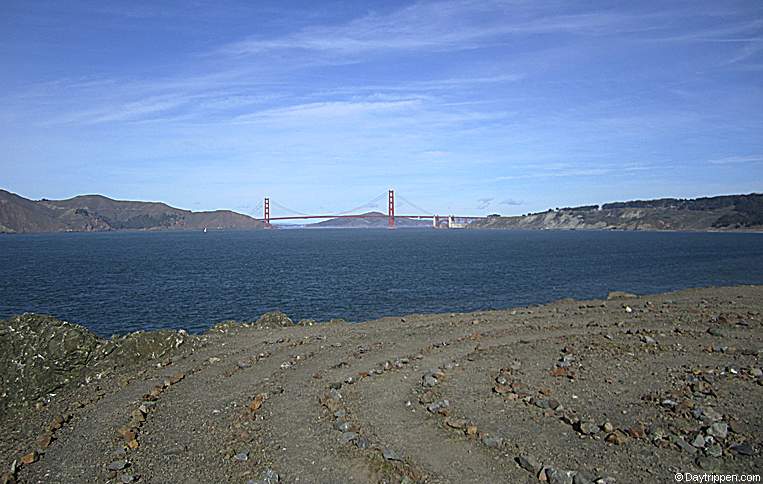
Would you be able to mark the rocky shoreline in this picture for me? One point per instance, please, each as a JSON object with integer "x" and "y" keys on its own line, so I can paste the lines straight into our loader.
{"x": 628, "y": 389}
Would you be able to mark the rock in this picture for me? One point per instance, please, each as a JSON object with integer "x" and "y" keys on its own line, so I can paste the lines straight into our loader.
{"x": 362, "y": 443}
{"x": 492, "y": 441}
{"x": 715, "y": 332}
{"x": 117, "y": 465}
{"x": 347, "y": 437}
{"x": 242, "y": 456}
{"x": 268, "y": 476}
{"x": 685, "y": 446}
{"x": 588, "y": 428}
{"x": 698, "y": 441}
{"x": 471, "y": 430}
{"x": 133, "y": 444}
{"x": 743, "y": 449}
{"x": 583, "y": 477}
{"x": 529, "y": 463}
{"x": 714, "y": 450}
{"x": 628, "y": 309}
{"x": 718, "y": 429}
{"x": 439, "y": 406}
{"x": 57, "y": 422}
{"x": 620, "y": 295}
{"x": 126, "y": 478}
{"x": 608, "y": 427}
{"x": 616, "y": 437}
{"x": 429, "y": 381}
{"x": 29, "y": 458}
{"x": 344, "y": 426}
{"x": 556, "y": 476}
{"x": 44, "y": 440}
{"x": 648, "y": 340}
{"x": 274, "y": 319}
{"x": 257, "y": 402}
{"x": 455, "y": 423}
{"x": 390, "y": 454}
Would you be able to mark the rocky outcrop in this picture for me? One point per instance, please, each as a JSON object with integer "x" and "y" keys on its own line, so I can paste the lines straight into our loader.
{"x": 736, "y": 212}
{"x": 39, "y": 354}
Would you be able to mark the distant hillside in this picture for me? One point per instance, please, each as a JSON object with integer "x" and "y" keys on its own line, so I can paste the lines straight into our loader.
{"x": 88, "y": 213}
{"x": 379, "y": 220}
{"x": 730, "y": 212}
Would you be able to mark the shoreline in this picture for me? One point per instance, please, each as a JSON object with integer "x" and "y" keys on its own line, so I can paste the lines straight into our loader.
{"x": 524, "y": 385}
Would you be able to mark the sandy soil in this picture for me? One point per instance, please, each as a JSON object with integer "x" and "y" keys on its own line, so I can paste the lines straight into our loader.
{"x": 623, "y": 390}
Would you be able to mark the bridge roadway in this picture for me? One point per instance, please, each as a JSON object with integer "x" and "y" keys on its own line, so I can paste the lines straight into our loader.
{"x": 381, "y": 215}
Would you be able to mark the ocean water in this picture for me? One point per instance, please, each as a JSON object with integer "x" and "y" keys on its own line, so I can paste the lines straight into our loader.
{"x": 120, "y": 282}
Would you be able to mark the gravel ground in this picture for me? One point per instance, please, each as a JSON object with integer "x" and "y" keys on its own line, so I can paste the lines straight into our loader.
{"x": 631, "y": 389}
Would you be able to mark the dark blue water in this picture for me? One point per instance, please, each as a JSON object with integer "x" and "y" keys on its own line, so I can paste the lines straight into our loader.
{"x": 118, "y": 282}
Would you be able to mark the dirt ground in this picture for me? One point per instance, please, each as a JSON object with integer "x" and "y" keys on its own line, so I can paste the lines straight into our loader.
{"x": 631, "y": 389}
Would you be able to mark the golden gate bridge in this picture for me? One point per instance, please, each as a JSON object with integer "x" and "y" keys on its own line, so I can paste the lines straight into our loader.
{"x": 438, "y": 221}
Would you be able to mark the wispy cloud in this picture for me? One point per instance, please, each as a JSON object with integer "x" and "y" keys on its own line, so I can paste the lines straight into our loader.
{"x": 734, "y": 160}
{"x": 510, "y": 202}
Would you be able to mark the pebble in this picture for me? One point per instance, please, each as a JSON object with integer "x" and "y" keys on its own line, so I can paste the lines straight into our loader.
{"x": 362, "y": 443}
{"x": 430, "y": 381}
{"x": 390, "y": 454}
{"x": 492, "y": 441}
{"x": 698, "y": 442}
{"x": 268, "y": 476}
{"x": 715, "y": 332}
{"x": 648, "y": 340}
{"x": 347, "y": 437}
{"x": 242, "y": 456}
{"x": 743, "y": 449}
{"x": 756, "y": 372}
{"x": 117, "y": 465}
{"x": 126, "y": 478}
{"x": 608, "y": 427}
{"x": 708, "y": 463}
{"x": 589, "y": 428}
{"x": 617, "y": 438}
{"x": 29, "y": 458}
{"x": 582, "y": 477}
{"x": 529, "y": 463}
{"x": 714, "y": 450}
{"x": 683, "y": 445}
{"x": 556, "y": 476}
{"x": 718, "y": 429}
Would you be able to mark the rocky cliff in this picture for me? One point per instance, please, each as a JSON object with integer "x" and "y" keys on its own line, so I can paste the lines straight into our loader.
{"x": 733, "y": 212}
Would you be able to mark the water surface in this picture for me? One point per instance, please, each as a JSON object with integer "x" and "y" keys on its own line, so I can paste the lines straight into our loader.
{"x": 118, "y": 282}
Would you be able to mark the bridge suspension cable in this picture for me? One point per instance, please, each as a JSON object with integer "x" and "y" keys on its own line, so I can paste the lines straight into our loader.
{"x": 286, "y": 209}
{"x": 413, "y": 204}
{"x": 370, "y": 204}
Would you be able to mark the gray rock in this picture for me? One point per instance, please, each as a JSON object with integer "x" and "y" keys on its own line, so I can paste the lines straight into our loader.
{"x": 362, "y": 443}
{"x": 274, "y": 319}
{"x": 343, "y": 426}
{"x": 743, "y": 449}
{"x": 557, "y": 476}
{"x": 492, "y": 441}
{"x": 437, "y": 406}
{"x": 589, "y": 428}
{"x": 430, "y": 381}
{"x": 719, "y": 430}
{"x": 685, "y": 446}
{"x": 698, "y": 441}
{"x": 648, "y": 340}
{"x": 126, "y": 478}
{"x": 714, "y": 450}
{"x": 583, "y": 477}
{"x": 347, "y": 437}
{"x": 390, "y": 454}
{"x": 268, "y": 476}
{"x": 715, "y": 332}
{"x": 242, "y": 456}
{"x": 117, "y": 465}
{"x": 529, "y": 463}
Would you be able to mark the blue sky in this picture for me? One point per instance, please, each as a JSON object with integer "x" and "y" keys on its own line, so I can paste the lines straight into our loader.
{"x": 468, "y": 107}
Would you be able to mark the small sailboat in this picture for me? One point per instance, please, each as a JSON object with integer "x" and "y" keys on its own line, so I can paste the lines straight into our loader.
{"x": 205, "y": 230}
